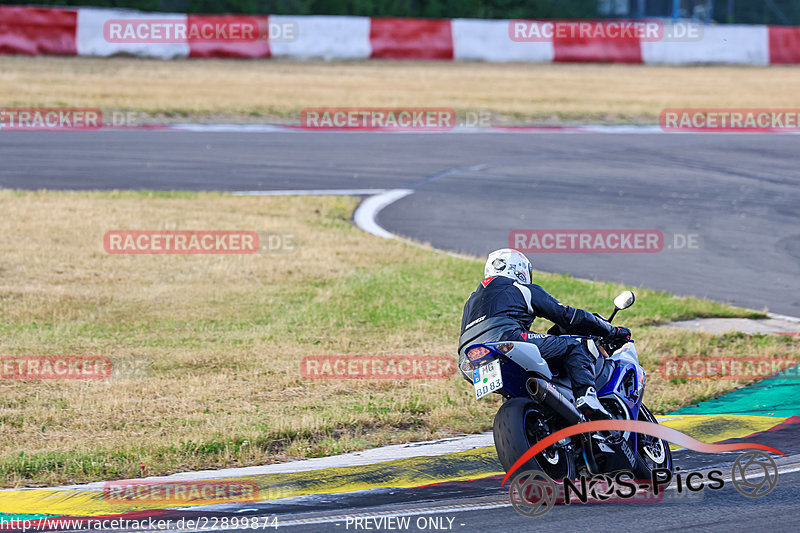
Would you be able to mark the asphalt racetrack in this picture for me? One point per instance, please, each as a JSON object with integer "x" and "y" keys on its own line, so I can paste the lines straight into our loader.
{"x": 736, "y": 196}
{"x": 739, "y": 194}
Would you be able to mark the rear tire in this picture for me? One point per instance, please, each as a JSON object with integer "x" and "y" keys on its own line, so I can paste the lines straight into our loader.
{"x": 518, "y": 425}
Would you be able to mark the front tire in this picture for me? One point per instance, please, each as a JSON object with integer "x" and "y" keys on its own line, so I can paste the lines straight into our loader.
{"x": 654, "y": 452}
{"x": 518, "y": 425}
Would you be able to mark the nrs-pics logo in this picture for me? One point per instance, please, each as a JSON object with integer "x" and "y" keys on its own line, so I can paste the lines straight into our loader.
{"x": 754, "y": 473}
{"x": 533, "y": 493}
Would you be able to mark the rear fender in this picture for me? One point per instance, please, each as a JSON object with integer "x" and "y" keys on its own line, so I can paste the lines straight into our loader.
{"x": 527, "y": 356}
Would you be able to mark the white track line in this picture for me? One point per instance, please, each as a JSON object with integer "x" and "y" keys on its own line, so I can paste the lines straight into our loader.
{"x": 368, "y": 210}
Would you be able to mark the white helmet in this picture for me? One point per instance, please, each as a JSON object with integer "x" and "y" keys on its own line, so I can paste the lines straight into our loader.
{"x": 509, "y": 263}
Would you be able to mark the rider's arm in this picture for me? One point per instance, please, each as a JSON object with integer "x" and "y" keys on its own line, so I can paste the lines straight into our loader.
{"x": 574, "y": 321}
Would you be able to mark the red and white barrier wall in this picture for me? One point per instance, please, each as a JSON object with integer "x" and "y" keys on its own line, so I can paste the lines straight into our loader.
{"x": 34, "y": 31}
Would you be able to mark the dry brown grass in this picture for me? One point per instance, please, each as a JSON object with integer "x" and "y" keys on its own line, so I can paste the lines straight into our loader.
{"x": 261, "y": 90}
{"x": 206, "y": 349}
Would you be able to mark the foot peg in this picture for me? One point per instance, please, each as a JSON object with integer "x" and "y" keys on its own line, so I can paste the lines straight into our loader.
{"x": 589, "y": 405}
{"x": 601, "y": 444}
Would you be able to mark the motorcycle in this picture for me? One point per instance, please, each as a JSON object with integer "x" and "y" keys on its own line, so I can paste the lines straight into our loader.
{"x": 538, "y": 401}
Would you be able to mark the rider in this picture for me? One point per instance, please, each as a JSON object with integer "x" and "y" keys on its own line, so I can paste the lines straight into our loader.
{"x": 504, "y": 306}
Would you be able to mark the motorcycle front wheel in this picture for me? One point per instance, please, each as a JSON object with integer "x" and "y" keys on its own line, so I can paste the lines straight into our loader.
{"x": 653, "y": 451}
{"x": 518, "y": 425}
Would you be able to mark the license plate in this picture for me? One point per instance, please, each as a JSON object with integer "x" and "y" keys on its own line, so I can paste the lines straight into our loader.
{"x": 487, "y": 379}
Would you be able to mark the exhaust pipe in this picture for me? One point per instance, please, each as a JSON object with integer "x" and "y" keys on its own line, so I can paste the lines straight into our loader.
{"x": 545, "y": 393}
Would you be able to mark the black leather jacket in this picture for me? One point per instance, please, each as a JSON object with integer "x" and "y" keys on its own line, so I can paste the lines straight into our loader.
{"x": 500, "y": 305}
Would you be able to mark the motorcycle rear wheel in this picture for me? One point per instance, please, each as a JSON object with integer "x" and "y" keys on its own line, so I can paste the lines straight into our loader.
{"x": 518, "y": 425}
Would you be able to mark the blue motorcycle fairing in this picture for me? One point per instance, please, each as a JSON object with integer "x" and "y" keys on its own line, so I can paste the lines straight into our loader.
{"x": 627, "y": 383}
